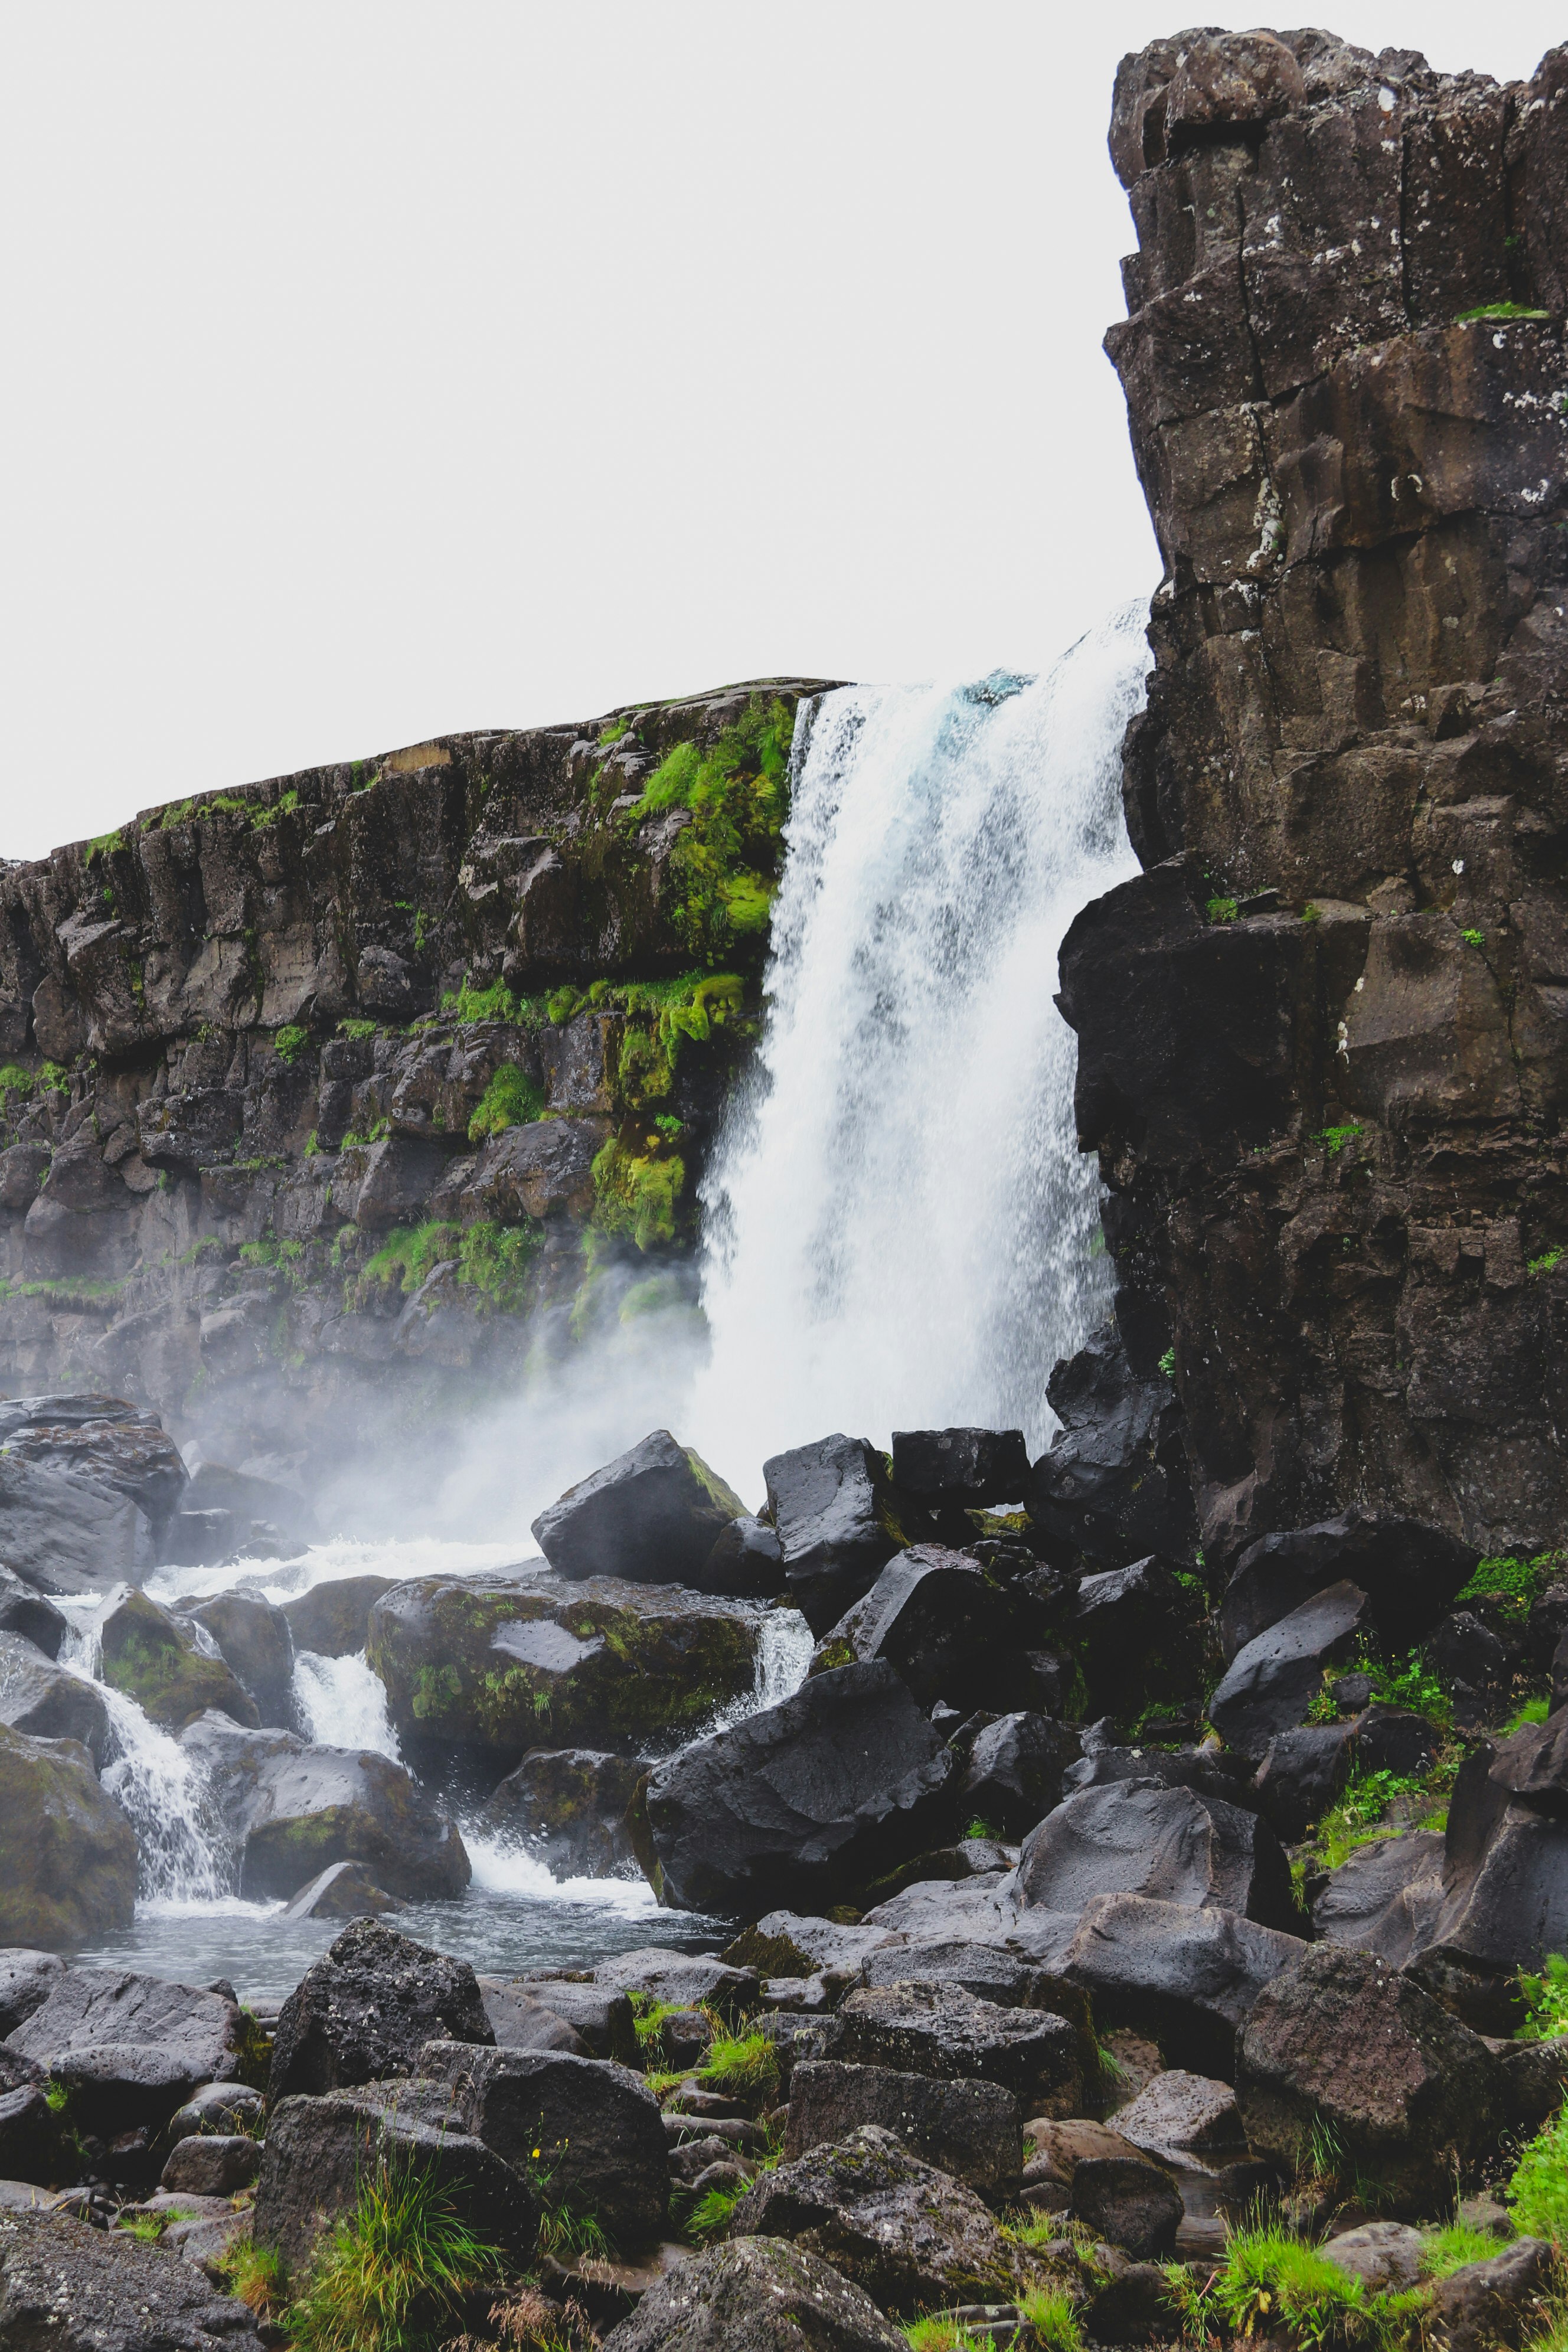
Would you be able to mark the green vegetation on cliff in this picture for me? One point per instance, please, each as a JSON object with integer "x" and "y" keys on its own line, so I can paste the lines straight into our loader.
{"x": 736, "y": 795}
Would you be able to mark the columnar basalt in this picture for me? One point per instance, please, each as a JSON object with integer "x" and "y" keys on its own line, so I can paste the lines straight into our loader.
{"x": 1324, "y": 1037}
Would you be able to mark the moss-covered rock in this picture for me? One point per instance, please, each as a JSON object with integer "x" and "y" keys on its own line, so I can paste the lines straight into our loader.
{"x": 172, "y": 1670}
{"x": 68, "y": 1854}
{"x": 480, "y": 1669}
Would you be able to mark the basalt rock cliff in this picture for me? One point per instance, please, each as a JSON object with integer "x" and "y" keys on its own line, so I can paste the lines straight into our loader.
{"x": 1323, "y": 1038}
{"x": 325, "y": 1101}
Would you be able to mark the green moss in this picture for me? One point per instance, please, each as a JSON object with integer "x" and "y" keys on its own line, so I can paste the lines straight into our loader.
{"x": 436, "y": 1688}
{"x": 104, "y": 844}
{"x": 1221, "y": 910}
{"x": 1512, "y": 1584}
{"x": 494, "y": 1003}
{"x": 561, "y": 1003}
{"x": 1538, "y": 2191}
{"x": 1547, "y": 1263}
{"x": 512, "y": 1099}
{"x": 496, "y": 1263}
{"x": 291, "y": 1042}
{"x": 725, "y": 862}
{"x": 14, "y": 1080}
{"x": 1334, "y": 1138}
{"x": 637, "y": 1195}
{"x": 1500, "y": 311}
{"x": 356, "y": 1029}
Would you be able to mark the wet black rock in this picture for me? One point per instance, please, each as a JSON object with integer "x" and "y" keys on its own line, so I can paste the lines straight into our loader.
{"x": 233, "y": 1515}
{"x": 80, "y": 2289}
{"x": 1495, "y": 2302}
{"x": 130, "y": 2048}
{"x": 44, "y": 1701}
{"x": 1013, "y": 1774}
{"x": 1134, "y": 1631}
{"x": 68, "y": 1854}
{"x": 592, "y": 2127}
{"x": 567, "y": 1806}
{"x": 26, "y": 1613}
{"x": 835, "y": 1513}
{"x": 1136, "y": 1837}
{"x": 939, "y": 2029}
{"x": 968, "y": 1467}
{"x": 255, "y": 1645}
{"x": 746, "y": 1561}
{"x": 969, "y": 2128}
{"x": 1186, "y": 1976}
{"x": 800, "y": 1803}
{"x": 651, "y": 1516}
{"x": 599, "y": 2014}
{"x": 1384, "y": 1897}
{"x": 946, "y": 1628}
{"x": 334, "y": 1618}
{"x": 1114, "y": 1483}
{"x": 366, "y": 2009}
{"x": 1409, "y": 1571}
{"x": 1270, "y": 1683}
{"x": 27, "y": 1980}
{"x": 756, "y": 2294}
{"x": 1474, "y": 1664}
{"x": 169, "y": 1666}
{"x": 345, "y": 1890}
{"x": 87, "y": 1488}
{"x": 212, "y": 2164}
{"x": 1302, "y": 1772}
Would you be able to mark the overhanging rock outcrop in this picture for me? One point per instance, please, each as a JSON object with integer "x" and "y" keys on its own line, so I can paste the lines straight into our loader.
{"x": 1323, "y": 1038}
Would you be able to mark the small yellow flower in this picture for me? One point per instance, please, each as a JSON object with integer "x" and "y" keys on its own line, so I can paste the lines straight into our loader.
{"x": 536, "y": 2152}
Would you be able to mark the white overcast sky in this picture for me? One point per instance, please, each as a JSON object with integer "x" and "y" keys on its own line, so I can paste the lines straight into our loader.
{"x": 374, "y": 370}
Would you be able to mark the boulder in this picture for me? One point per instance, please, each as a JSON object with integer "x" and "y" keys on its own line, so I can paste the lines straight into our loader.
{"x": 47, "y": 1702}
{"x": 600, "y": 2137}
{"x": 1340, "y": 2041}
{"x": 1135, "y": 1837}
{"x": 1186, "y": 1976}
{"x": 222, "y": 2107}
{"x": 320, "y": 2151}
{"x": 1272, "y": 1681}
{"x": 756, "y": 2294}
{"x": 1505, "y": 1874}
{"x": 366, "y": 2010}
{"x": 1013, "y": 1775}
{"x": 32, "y": 2144}
{"x": 519, "y": 2022}
{"x": 172, "y": 1668}
{"x": 1210, "y": 1774}
{"x": 27, "y": 1980}
{"x": 1409, "y": 1571}
{"x": 255, "y": 1643}
{"x": 1180, "y": 2115}
{"x": 1386, "y": 2256}
{"x": 943, "y": 2031}
{"x": 212, "y": 2164}
{"x": 1302, "y": 1772}
{"x": 1104, "y": 2181}
{"x": 26, "y": 1613}
{"x": 1114, "y": 1483}
{"x": 1495, "y": 2302}
{"x": 1128, "y": 1628}
{"x": 480, "y": 1669}
{"x": 345, "y": 1890}
{"x": 986, "y": 1970}
{"x": 908, "y": 2234}
{"x": 687, "y": 1979}
{"x": 1474, "y": 1665}
{"x": 567, "y": 1808}
{"x": 651, "y": 1516}
{"x": 130, "y": 2048}
{"x": 265, "y": 1520}
{"x": 1384, "y": 1897}
{"x": 78, "y": 2289}
{"x": 970, "y": 2129}
{"x": 88, "y": 1486}
{"x": 945, "y": 1627}
{"x": 835, "y": 1514}
{"x": 72, "y": 1874}
{"x": 982, "y": 1909}
{"x": 599, "y": 2015}
{"x": 746, "y": 1562}
{"x": 792, "y": 1943}
{"x": 799, "y": 1803}
{"x": 1396, "y": 1740}
{"x": 962, "y": 1468}
{"x": 333, "y": 1619}
{"x": 1533, "y": 2079}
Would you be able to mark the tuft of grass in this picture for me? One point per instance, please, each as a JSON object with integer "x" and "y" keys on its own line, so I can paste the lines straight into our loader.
{"x": 256, "y": 2276}
{"x": 939, "y": 2332}
{"x": 572, "y": 2237}
{"x": 1503, "y": 310}
{"x": 710, "y": 2217}
{"x": 1450, "y": 2248}
{"x": 1270, "y": 2281}
{"x": 290, "y": 1043}
{"x": 357, "y": 1029}
{"x": 1538, "y": 2191}
{"x": 512, "y": 1099}
{"x": 1049, "y": 2313}
{"x": 724, "y": 863}
{"x": 1547, "y": 1262}
{"x": 1474, "y": 938}
{"x": 979, "y": 1827}
{"x": 494, "y": 1003}
{"x": 1334, "y": 1138}
{"x": 395, "y": 2277}
{"x": 1511, "y": 1583}
{"x": 743, "y": 2068}
{"x": 1545, "y": 1997}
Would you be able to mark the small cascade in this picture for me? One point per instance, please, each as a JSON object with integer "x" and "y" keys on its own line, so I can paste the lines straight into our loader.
{"x": 164, "y": 1797}
{"x": 343, "y": 1704}
{"x": 784, "y": 1653}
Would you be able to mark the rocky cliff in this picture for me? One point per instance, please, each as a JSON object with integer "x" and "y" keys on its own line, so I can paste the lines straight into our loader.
{"x": 323, "y": 1102}
{"x": 1324, "y": 1036}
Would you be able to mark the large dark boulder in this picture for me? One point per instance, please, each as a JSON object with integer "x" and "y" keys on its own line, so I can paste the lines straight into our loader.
{"x": 946, "y": 1626}
{"x": 1409, "y": 1571}
{"x": 1187, "y": 1978}
{"x": 88, "y": 1486}
{"x": 47, "y": 1702}
{"x": 799, "y": 1805}
{"x": 1495, "y": 2302}
{"x": 255, "y": 1643}
{"x": 651, "y": 1516}
{"x": 967, "y": 1467}
{"x": 1384, "y": 1897}
{"x": 334, "y": 1618}
{"x": 1474, "y": 1665}
{"x": 746, "y": 1562}
{"x": 970, "y": 2129}
{"x": 600, "y": 2016}
{"x": 910, "y": 2236}
{"x": 1271, "y": 1683}
{"x": 321, "y": 2152}
{"x": 567, "y": 1806}
{"x": 248, "y": 1517}
{"x": 835, "y": 1513}
{"x": 26, "y": 1612}
{"x": 1133, "y": 1631}
{"x": 1343, "y": 2042}
{"x": 171, "y": 1667}
{"x": 591, "y": 2128}
{"x": 68, "y": 1854}
{"x": 1013, "y": 1774}
{"x": 78, "y": 2289}
{"x": 130, "y": 2048}
{"x": 366, "y": 2010}
{"x": 756, "y": 2294}
{"x": 687, "y": 1979}
{"x": 1302, "y": 1772}
{"x": 939, "y": 2029}
{"x": 1114, "y": 1483}
{"x": 480, "y": 1669}
{"x": 1135, "y": 1837}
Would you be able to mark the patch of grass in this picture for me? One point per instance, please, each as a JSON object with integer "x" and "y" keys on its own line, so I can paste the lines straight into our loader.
{"x": 1168, "y": 1363}
{"x": 1547, "y": 1263}
{"x": 256, "y": 2276}
{"x": 356, "y": 1029}
{"x": 395, "y": 2277}
{"x": 1049, "y": 2313}
{"x": 710, "y": 2217}
{"x": 512, "y": 1099}
{"x": 571, "y": 2236}
{"x": 291, "y": 1042}
{"x": 496, "y": 1263}
{"x": 725, "y": 861}
{"x": 982, "y": 1829}
{"x": 1334, "y": 1138}
{"x": 1221, "y": 910}
{"x": 743, "y": 2067}
{"x": 647, "y": 2021}
{"x": 495, "y": 1003}
{"x": 1356, "y": 1820}
{"x": 1271, "y": 2280}
{"x": 1511, "y": 1583}
{"x": 1474, "y": 938}
{"x": 14, "y": 1080}
{"x": 1534, "y": 1710}
{"x": 939, "y": 2334}
{"x": 1449, "y": 2249}
{"x": 1538, "y": 2193}
{"x": 637, "y": 1193}
{"x": 1502, "y": 311}
{"x": 1545, "y": 1999}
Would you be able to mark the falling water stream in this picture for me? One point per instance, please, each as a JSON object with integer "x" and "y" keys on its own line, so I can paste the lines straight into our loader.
{"x": 898, "y": 1231}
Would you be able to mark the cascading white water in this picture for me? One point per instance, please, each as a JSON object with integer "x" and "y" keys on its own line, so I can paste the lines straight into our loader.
{"x": 899, "y": 1226}
{"x": 163, "y": 1795}
{"x": 343, "y": 1704}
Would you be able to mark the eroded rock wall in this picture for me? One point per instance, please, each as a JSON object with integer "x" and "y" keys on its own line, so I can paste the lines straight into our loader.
{"x": 1324, "y": 1037}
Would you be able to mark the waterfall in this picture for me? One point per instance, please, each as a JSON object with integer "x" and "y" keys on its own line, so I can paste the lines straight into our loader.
{"x": 899, "y": 1228}
{"x": 343, "y": 1704}
{"x": 180, "y": 1851}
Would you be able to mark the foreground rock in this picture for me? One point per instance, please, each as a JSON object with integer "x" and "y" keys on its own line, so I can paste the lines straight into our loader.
{"x": 172, "y": 1669}
{"x": 1013, "y": 1775}
{"x": 1135, "y": 1837}
{"x": 87, "y": 1488}
{"x": 333, "y": 1619}
{"x": 26, "y": 1612}
{"x": 835, "y": 1514}
{"x": 945, "y": 1627}
{"x": 83, "y": 2290}
{"x": 1187, "y": 1978}
{"x": 651, "y": 1516}
{"x": 942, "y": 2030}
{"x": 759, "y": 2293}
{"x": 130, "y": 2048}
{"x": 480, "y": 1669}
{"x": 68, "y": 1854}
{"x": 590, "y": 2128}
{"x": 970, "y": 2129}
{"x": 799, "y": 1805}
{"x": 911, "y": 2237}
{"x": 366, "y": 2009}
{"x": 567, "y": 1806}
{"x": 44, "y": 1701}
{"x": 255, "y": 1645}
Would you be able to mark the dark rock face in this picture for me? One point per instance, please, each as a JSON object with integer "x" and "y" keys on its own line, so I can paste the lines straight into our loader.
{"x": 46, "y": 1702}
{"x": 1495, "y": 2302}
{"x": 255, "y": 1645}
{"x": 172, "y": 1668}
{"x": 834, "y": 1511}
{"x": 86, "y": 2290}
{"x": 212, "y": 2164}
{"x": 27, "y": 1981}
{"x": 798, "y": 1803}
{"x": 1114, "y": 1483}
{"x": 945, "y": 1627}
{"x": 1014, "y": 1776}
{"x": 1271, "y": 1683}
{"x": 334, "y": 1618}
{"x": 1340, "y": 2039}
{"x": 599, "y": 2016}
{"x": 87, "y": 1488}
{"x": 1409, "y": 1572}
{"x": 1302, "y": 1774}
{"x": 130, "y": 2048}
{"x": 568, "y": 1807}
{"x": 367, "y": 2008}
{"x": 756, "y": 2294}
{"x": 964, "y": 1467}
{"x": 941, "y": 2030}
{"x": 651, "y": 1516}
{"x": 1384, "y": 1897}
{"x": 746, "y": 1561}
{"x": 970, "y": 2129}
{"x": 1320, "y": 1038}
{"x": 24, "y": 1613}
{"x": 68, "y": 1854}
{"x": 1135, "y": 1837}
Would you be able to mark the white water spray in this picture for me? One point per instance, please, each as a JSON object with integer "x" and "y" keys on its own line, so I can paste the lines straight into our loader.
{"x": 163, "y": 1796}
{"x": 343, "y": 1704}
{"x": 899, "y": 1224}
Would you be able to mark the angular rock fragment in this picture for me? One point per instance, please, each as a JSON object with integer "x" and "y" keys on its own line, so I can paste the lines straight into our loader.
{"x": 47, "y": 1702}
{"x": 1270, "y": 1683}
{"x": 1114, "y": 1483}
{"x": 1013, "y": 1775}
{"x": 567, "y": 1806}
{"x": 835, "y": 1513}
{"x": 173, "y": 1670}
{"x": 1134, "y": 1837}
{"x": 130, "y": 2048}
{"x": 970, "y": 2129}
{"x": 597, "y": 2126}
{"x": 764, "y": 2292}
{"x": 85, "y": 2290}
{"x": 254, "y": 1642}
{"x": 963, "y": 1466}
{"x": 88, "y": 1486}
{"x": 1187, "y": 1978}
{"x": 332, "y": 1619}
{"x": 746, "y": 1562}
{"x": 943, "y": 2031}
{"x": 651, "y": 1516}
{"x": 1409, "y": 1571}
{"x": 366, "y": 2010}
{"x": 944, "y": 1626}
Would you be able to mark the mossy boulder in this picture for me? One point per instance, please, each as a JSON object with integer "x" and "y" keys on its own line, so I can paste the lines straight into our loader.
{"x": 68, "y": 1854}
{"x": 567, "y": 1806}
{"x": 172, "y": 1669}
{"x": 480, "y": 1669}
{"x": 652, "y": 1516}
